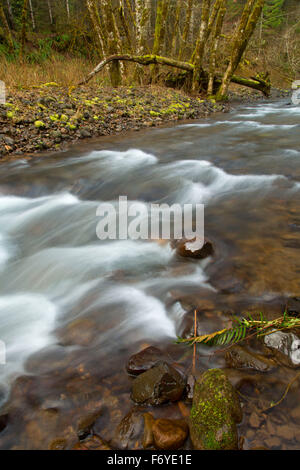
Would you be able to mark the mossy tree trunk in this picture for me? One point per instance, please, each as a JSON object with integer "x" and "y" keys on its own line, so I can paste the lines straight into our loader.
{"x": 95, "y": 19}
{"x": 143, "y": 13}
{"x": 186, "y": 30}
{"x": 200, "y": 46}
{"x": 214, "y": 46}
{"x": 125, "y": 27}
{"x": 4, "y": 21}
{"x": 243, "y": 33}
{"x": 176, "y": 30}
{"x": 258, "y": 83}
{"x": 160, "y": 32}
{"x": 24, "y": 27}
{"x": 112, "y": 34}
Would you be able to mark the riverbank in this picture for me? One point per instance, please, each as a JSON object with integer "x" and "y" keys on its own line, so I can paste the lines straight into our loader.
{"x": 51, "y": 118}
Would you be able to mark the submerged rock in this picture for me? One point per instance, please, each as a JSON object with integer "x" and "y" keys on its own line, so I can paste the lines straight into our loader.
{"x": 285, "y": 347}
{"x": 144, "y": 360}
{"x": 130, "y": 431}
{"x": 185, "y": 249}
{"x": 239, "y": 357}
{"x": 169, "y": 434}
{"x": 215, "y": 413}
{"x": 160, "y": 384}
{"x": 92, "y": 443}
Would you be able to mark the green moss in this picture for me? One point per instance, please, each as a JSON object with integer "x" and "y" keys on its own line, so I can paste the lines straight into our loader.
{"x": 214, "y": 413}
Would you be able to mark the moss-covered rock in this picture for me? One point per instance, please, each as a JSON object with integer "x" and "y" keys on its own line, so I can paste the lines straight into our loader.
{"x": 215, "y": 413}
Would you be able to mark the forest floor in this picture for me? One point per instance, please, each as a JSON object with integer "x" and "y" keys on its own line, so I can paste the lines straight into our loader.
{"x": 51, "y": 118}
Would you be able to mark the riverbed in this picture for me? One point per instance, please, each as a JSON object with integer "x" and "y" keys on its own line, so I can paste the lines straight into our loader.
{"x": 74, "y": 308}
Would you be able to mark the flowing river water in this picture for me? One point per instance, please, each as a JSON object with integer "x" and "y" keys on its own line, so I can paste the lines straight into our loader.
{"x": 74, "y": 308}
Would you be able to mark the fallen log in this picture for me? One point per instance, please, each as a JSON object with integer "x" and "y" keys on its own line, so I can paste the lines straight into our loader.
{"x": 257, "y": 83}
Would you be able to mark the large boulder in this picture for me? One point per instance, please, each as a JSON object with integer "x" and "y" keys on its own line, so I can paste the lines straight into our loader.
{"x": 215, "y": 413}
{"x": 144, "y": 360}
{"x": 239, "y": 357}
{"x": 160, "y": 384}
{"x": 285, "y": 347}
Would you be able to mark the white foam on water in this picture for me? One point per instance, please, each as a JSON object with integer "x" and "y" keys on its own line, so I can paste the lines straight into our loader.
{"x": 26, "y": 323}
{"x": 205, "y": 181}
{"x": 141, "y": 313}
{"x": 57, "y": 270}
{"x": 131, "y": 157}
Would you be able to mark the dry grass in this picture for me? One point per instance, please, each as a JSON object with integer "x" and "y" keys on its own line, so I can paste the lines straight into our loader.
{"x": 64, "y": 71}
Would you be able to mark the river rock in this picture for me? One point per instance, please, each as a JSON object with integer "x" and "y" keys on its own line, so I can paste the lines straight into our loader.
{"x": 285, "y": 347}
{"x": 185, "y": 249}
{"x": 169, "y": 434}
{"x": 160, "y": 384}
{"x": 148, "y": 439}
{"x": 92, "y": 443}
{"x": 215, "y": 413}
{"x": 130, "y": 431}
{"x": 239, "y": 357}
{"x": 144, "y": 360}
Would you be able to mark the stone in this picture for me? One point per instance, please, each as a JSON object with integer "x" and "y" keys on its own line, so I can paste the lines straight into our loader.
{"x": 169, "y": 434}
{"x": 58, "y": 444}
{"x": 129, "y": 432}
{"x": 185, "y": 249}
{"x": 92, "y": 443}
{"x": 254, "y": 420}
{"x": 160, "y": 384}
{"x": 272, "y": 442}
{"x": 285, "y": 347}
{"x": 215, "y": 413}
{"x": 239, "y": 357}
{"x": 189, "y": 389}
{"x": 85, "y": 425}
{"x": 148, "y": 439}
{"x": 144, "y": 360}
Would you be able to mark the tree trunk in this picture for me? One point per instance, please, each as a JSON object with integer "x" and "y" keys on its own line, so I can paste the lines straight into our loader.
{"x": 112, "y": 42}
{"x": 125, "y": 27}
{"x": 186, "y": 30}
{"x": 68, "y": 9}
{"x": 160, "y": 31}
{"x": 214, "y": 47}
{"x": 176, "y": 30}
{"x": 143, "y": 12}
{"x": 10, "y": 14}
{"x": 95, "y": 19}
{"x": 32, "y": 15}
{"x": 24, "y": 27}
{"x": 3, "y": 20}
{"x": 244, "y": 31}
{"x": 203, "y": 36}
{"x": 258, "y": 83}
{"x": 50, "y": 11}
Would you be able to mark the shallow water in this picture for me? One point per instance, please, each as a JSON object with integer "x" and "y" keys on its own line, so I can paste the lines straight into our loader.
{"x": 73, "y": 308}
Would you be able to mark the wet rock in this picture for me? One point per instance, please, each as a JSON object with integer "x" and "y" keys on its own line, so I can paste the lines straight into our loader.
{"x": 148, "y": 439}
{"x": 85, "y": 425}
{"x": 144, "y": 360}
{"x": 169, "y": 434}
{"x": 215, "y": 413}
{"x": 58, "y": 444}
{"x": 160, "y": 384}
{"x": 285, "y": 347}
{"x": 189, "y": 389}
{"x": 92, "y": 443}
{"x": 254, "y": 420}
{"x": 130, "y": 431}
{"x": 240, "y": 358}
{"x": 185, "y": 249}
{"x": 272, "y": 442}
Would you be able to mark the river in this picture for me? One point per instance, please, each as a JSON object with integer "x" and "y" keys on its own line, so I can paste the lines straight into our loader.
{"x": 74, "y": 308}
